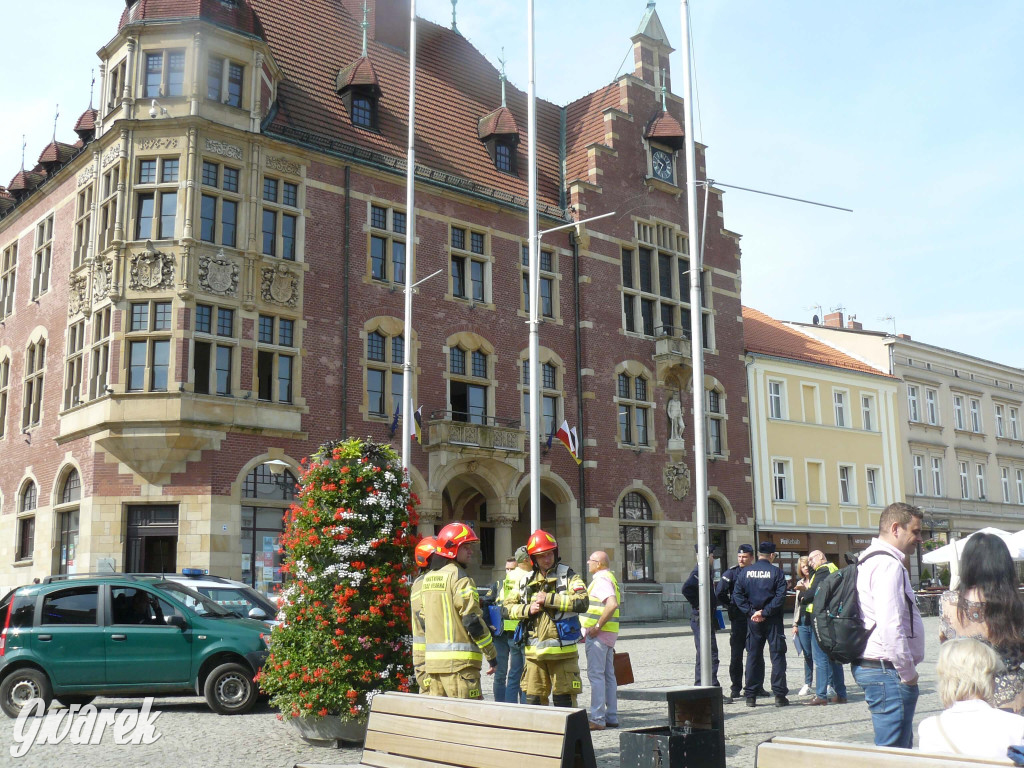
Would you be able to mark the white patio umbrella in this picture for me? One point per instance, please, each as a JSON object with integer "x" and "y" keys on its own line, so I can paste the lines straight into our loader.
{"x": 952, "y": 552}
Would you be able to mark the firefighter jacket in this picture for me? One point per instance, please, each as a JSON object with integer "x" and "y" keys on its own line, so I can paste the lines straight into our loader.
{"x": 565, "y": 596}
{"x": 419, "y": 641}
{"x": 596, "y": 607}
{"x": 514, "y": 583}
{"x": 454, "y": 628}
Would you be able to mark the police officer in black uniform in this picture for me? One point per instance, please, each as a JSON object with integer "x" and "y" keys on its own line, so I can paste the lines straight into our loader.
{"x": 760, "y": 593}
{"x": 737, "y": 619}
{"x": 691, "y": 591}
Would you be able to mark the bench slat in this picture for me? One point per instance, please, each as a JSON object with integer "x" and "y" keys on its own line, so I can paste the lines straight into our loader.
{"x": 473, "y": 735}
{"x": 540, "y": 719}
{"x": 782, "y": 755}
{"x": 385, "y": 760}
{"x": 872, "y": 749}
{"x": 453, "y": 754}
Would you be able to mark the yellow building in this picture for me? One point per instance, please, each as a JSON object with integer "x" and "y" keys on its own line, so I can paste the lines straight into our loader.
{"x": 824, "y": 442}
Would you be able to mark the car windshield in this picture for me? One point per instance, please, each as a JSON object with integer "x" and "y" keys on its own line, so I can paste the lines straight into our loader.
{"x": 238, "y": 600}
{"x": 192, "y": 599}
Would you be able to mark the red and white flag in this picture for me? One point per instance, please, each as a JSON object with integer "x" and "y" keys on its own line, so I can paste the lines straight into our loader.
{"x": 567, "y": 437}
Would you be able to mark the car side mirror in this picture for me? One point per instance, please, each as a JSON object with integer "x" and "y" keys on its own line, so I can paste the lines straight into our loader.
{"x": 257, "y": 613}
{"x": 177, "y": 621}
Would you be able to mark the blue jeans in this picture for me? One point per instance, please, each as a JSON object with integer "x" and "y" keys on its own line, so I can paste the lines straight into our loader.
{"x": 805, "y": 632}
{"x": 829, "y": 672}
{"x": 891, "y": 703}
{"x": 501, "y": 646}
{"x": 516, "y": 663}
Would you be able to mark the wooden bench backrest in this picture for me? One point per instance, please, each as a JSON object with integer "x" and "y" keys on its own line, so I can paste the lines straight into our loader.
{"x": 413, "y": 731}
{"x": 782, "y": 752}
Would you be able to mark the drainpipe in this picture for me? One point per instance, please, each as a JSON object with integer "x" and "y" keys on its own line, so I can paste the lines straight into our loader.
{"x": 344, "y": 305}
{"x": 581, "y": 475}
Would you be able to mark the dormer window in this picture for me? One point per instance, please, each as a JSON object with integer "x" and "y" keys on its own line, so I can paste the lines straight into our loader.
{"x": 362, "y": 112}
{"x": 504, "y": 157}
{"x": 357, "y": 85}
{"x": 500, "y": 134}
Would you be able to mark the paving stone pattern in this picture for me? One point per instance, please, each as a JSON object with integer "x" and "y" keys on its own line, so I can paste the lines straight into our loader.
{"x": 661, "y": 654}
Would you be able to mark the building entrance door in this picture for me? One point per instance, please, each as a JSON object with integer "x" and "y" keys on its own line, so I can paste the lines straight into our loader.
{"x": 152, "y": 541}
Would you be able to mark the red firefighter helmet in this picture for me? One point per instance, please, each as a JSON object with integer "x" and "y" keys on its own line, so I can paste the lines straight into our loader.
{"x": 540, "y": 541}
{"x": 451, "y": 537}
{"x": 424, "y": 550}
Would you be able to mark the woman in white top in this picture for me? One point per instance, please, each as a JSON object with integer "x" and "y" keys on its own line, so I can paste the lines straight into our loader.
{"x": 970, "y": 725}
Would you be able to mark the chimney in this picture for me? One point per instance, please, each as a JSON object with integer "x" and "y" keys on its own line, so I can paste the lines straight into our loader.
{"x": 904, "y": 336}
{"x": 834, "y": 320}
{"x": 854, "y": 325}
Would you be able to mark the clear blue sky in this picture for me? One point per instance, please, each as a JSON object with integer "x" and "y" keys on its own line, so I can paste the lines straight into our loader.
{"x": 908, "y": 112}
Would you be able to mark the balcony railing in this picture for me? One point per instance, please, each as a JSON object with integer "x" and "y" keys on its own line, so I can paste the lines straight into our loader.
{"x": 671, "y": 341}
{"x": 465, "y": 430}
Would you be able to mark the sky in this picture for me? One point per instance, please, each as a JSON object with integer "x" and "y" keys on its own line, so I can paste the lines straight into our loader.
{"x": 908, "y": 112}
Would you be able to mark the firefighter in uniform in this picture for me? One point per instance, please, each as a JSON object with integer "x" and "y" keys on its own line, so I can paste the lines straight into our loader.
{"x": 737, "y": 619}
{"x": 457, "y": 638}
{"x": 760, "y": 593}
{"x": 424, "y": 556}
{"x": 549, "y": 610}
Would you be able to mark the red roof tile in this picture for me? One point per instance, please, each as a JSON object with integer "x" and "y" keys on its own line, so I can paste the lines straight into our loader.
{"x": 359, "y": 72}
{"x": 233, "y": 14}
{"x": 766, "y": 335}
{"x": 667, "y": 129}
{"x": 501, "y": 122}
{"x": 26, "y": 180}
{"x": 584, "y": 125}
{"x": 87, "y": 121}
{"x": 57, "y": 152}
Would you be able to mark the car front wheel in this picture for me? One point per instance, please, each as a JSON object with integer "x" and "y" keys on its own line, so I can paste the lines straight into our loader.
{"x": 230, "y": 689}
{"x": 20, "y": 687}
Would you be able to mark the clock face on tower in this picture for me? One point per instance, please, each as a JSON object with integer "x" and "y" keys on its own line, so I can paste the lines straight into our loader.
{"x": 661, "y": 163}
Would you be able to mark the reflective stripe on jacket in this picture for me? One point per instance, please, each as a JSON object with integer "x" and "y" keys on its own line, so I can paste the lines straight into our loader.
{"x": 812, "y": 586}
{"x": 419, "y": 639}
{"x": 510, "y": 588}
{"x": 596, "y": 608}
{"x": 449, "y": 596}
{"x": 565, "y": 594}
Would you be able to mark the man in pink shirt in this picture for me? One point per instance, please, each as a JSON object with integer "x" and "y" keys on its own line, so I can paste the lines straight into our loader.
{"x": 888, "y": 671}
{"x": 600, "y": 628}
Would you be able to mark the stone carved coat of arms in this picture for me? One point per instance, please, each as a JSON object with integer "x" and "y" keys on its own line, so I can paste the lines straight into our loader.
{"x": 677, "y": 480}
{"x": 280, "y": 286}
{"x": 218, "y": 275}
{"x": 101, "y": 278}
{"x": 151, "y": 269}
{"x": 77, "y": 295}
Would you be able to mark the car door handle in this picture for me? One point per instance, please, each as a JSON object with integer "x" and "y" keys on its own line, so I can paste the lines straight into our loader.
{"x": 44, "y": 638}
{"x": 119, "y": 637}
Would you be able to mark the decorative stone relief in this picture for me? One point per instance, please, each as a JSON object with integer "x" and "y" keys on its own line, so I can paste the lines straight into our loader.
{"x": 77, "y": 298}
{"x": 101, "y": 278}
{"x": 87, "y": 175}
{"x": 677, "y": 480}
{"x": 162, "y": 143}
{"x": 283, "y": 165}
{"x": 223, "y": 148}
{"x": 151, "y": 269}
{"x": 218, "y": 274}
{"x": 111, "y": 155}
{"x": 280, "y": 286}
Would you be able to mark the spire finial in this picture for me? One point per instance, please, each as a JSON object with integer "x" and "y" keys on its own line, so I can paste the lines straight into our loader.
{"x": 455, "y": 27}
{"x": 55, "y": 116}
{"x": 92, "y": 86}
{"x": 650, "y": 5}
{"x": 664, "y": 105}
{"x": 23, "y": 145}
{"x": 502, "y": 77}
{"x": 366, "y": 24}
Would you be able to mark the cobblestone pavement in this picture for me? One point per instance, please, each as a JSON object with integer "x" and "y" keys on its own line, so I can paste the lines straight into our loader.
{"x": 661, "y": 654}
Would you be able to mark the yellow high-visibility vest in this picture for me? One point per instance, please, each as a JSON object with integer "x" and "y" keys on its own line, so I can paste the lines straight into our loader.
{"x": 831, "y": 569}
{"x": 593, "y": 614}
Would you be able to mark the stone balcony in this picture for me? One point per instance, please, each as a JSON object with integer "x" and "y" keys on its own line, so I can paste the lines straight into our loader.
{"x": 497, "y": 436}
{"x": 672, "y": 345}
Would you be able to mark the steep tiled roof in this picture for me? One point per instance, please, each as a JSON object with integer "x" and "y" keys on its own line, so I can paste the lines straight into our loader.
{"x": 232, "y": 14}
{"x": 26, "y": 181}
{"x": 766, "y": 335}
{"x": 6, "y": 200}
{"x": 455, "y": 85}
{"x": 501, "y": 122}
{"x": 57, "y": 152}
{"x": 87, "y": 122}
{"x": 584, "y": 125}
{"x": 667, "y": 129}
{"x": 359, "y": 72}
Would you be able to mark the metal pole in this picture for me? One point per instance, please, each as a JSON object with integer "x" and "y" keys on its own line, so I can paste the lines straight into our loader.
{"x": 410, "y": 247}
{"x": 700, "y": 484}
{"x": 531, "y": 132}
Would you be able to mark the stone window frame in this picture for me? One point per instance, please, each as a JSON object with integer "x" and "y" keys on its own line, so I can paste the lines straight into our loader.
{"x": 471, "y": 342}
{"x": 220, "y": 194}
{"x": 278, "y": 351}
{"x": 252, "y": 469}
{"x": 74, "y": 364}
{"x": 27, "y": 510}
{"x": 223, "y": 95}
{"x": 163, "y": 90}
{"x": 34, "y": 381}
{"x": 8, "y": 279}
{"x": 633, "y": 370}
{"x": 107, "y": 208}
{"x": 547, "y": 357}
{"x": 879, "y": 500}
{"x": 217, "y": 341}
{"x": 647, "y": 525}
{"x": 150, "y": 336}
{"x": 390, "y": 328}
{"x": 5, "y": 388}
{"x": 99, "y": 351}
{"x": 390, "y": 234}
{"x": 42, "y": 256}
{"x": 282, "y": 211}
{"x": 714, "y": 392}
{"x": 552, "y": 275}
{"x": 66, "y": 502}
{"x": 83, "y": 226}
{"x": 469, "y": 257}
{"x": 156, "y": 190}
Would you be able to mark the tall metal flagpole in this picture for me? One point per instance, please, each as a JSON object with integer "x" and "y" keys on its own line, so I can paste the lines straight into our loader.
{"x": 531, "y": 132}
{"x": 410, "y": 246}
{"x": 700, "y": 484}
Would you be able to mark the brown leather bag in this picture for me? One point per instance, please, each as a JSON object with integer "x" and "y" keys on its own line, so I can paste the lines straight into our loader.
{"x": 623, "y": 669}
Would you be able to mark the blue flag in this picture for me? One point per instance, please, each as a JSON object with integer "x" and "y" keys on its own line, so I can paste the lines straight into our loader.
{"x": 394, "y": 421}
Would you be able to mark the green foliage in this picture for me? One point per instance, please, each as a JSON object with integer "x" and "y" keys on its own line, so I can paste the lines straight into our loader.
{"x": 348, "y": 550}
{"x": 944, "y": 576}
{"x": 926, "y": 575}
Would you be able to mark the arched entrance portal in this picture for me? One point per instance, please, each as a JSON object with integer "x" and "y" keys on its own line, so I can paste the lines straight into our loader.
{"x": 558, "y": 516}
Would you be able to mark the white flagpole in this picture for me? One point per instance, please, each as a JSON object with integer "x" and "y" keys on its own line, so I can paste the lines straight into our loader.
{"x": 531, "y": 132}
{"x": 700, "y": 484}
{"x": 410, "y": 246}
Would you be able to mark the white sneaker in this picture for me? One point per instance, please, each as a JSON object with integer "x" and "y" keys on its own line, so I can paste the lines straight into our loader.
{"x": 831, "y": 692}
{"x": 804, "y": 691}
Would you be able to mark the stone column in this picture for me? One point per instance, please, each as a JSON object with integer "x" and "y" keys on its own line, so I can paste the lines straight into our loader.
{"x": 507, "y": 514}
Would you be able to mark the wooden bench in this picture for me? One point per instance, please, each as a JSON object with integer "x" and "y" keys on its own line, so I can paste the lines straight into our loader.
{"x": 411, "y": 731}
{"x": 805, "y": 753}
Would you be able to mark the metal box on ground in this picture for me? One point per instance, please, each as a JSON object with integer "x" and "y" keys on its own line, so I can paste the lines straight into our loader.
{"x": 693, "y": 738}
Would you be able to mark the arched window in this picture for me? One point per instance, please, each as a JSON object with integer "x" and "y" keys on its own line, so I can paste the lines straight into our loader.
{"x": 716, "y": 514}
{"x": 636, "y": 537}
{"x": 266, "y": 496}
{"x": 634, "y": 405}
{"x": 72, "y": 490}
{"x": 27, "y": 522}
{"x": 29, "y": 497}
{"x": 717, "y": 443}
{"x": 67, "y": 516}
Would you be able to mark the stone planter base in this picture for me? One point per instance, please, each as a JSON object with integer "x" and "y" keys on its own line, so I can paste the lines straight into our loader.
{"x": 330, "y": 731}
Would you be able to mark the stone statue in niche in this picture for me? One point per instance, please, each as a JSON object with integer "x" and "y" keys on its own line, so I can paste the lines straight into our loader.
{"x": 674, "y": 410}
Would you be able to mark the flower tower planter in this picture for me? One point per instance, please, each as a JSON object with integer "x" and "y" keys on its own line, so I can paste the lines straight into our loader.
{"x": 344, "y": 635}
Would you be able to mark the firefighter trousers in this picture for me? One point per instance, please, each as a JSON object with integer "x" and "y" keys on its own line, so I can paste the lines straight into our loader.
{"x": 464, "y": 684}
{"x": 557, "y": 675}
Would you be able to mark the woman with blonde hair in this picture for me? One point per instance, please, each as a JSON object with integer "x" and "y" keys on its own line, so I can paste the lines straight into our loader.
{"x": 802, "y": 623}
{"x": 970, "y": 725}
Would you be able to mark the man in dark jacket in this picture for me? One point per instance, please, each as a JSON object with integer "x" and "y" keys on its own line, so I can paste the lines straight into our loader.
{"x": 737, "y": 619}
{"x": 691, "y": 591}
{"x": 760, "y": 593}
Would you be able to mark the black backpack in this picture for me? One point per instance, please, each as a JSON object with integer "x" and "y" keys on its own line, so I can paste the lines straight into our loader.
{"x": 838, "y": 622}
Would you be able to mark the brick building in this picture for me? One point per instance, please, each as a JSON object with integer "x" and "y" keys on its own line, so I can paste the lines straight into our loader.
{"x": 210, "y": 280}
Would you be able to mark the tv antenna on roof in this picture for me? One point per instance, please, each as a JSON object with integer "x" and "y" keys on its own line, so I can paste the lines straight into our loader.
{"x": 889, "y": 319}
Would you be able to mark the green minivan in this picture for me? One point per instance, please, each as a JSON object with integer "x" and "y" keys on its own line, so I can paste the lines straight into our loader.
{"x": 75, "y": 637}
